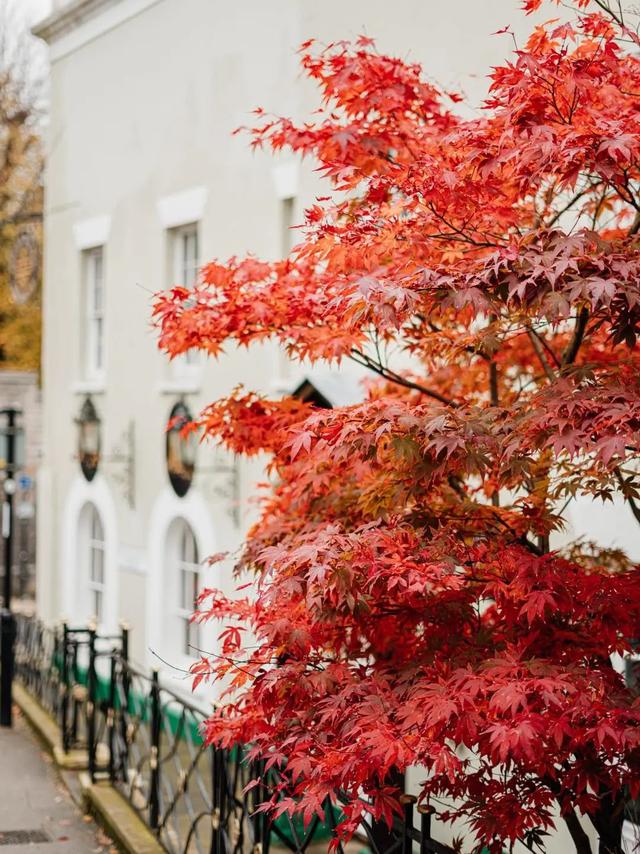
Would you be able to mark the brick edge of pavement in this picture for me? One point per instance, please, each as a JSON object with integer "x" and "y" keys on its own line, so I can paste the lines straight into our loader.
{"x": 111, "y": 811}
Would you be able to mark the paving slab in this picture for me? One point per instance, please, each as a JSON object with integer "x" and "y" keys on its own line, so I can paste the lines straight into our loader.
{"x": 35, "y": 805}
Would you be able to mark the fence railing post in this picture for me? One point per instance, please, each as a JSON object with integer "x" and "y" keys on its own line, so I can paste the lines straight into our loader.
{"x": 64, "y": 689}
{"x": 76, "y": 696}
{"x": 91, "y": 703}
{"x": 425, "y": 828}
{"x": 154, "y": 760}
{"x": 111, "y": 713}
{"x": 265, "y": 828}
{"x": 124, "y": 698}
{"x": 407, "y": 802}
{"x": 219, "y": 792}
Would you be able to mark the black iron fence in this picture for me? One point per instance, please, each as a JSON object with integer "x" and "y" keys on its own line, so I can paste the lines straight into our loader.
{"x": 146, "y": 740}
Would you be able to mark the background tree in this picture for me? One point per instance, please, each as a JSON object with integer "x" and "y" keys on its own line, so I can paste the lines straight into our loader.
{"x": 409, "y": 609}
{"x": 21, "y": 195}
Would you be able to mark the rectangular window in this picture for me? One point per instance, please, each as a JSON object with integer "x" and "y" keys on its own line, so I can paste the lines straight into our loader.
{"x": 186, "y": 264}
{"x": 94, "y": 307}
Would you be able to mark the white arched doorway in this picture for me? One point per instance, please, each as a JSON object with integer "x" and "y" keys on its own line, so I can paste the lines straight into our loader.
{"x": 89, "y": 554}
{"x": 181, "y": 537}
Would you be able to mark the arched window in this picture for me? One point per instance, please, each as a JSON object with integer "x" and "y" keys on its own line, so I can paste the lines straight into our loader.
{"x": 185, "y": 568}
{"x": 91, "y": 542}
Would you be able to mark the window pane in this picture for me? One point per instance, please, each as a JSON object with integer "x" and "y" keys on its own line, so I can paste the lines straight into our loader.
{"x": 96, "y": 284}
{"x": 97, "y": 564}
{"x": 195, "y": 585}
{"x": 97, "y": 604}
{"x": 94, "y": 302}
{"x": 184, "y": 587}
{"x": 96, "y": 526}
{"x": 188, "y": 588}
{"x": 187, "y": 252}
{"x": 193, "y": 639}
{"x": 98, "y": 357}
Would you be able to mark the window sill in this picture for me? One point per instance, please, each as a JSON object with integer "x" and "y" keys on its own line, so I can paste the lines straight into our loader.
{"x": 180, "y": 385}
{"x": 97, "y": 386}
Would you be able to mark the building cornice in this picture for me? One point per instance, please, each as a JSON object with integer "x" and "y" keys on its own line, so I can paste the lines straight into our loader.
{"x": 68, "y": 18}
{"x": 81, "y": 21}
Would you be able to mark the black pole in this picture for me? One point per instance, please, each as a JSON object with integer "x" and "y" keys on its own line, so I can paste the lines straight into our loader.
{"x": 64, "y": 688}
{"x": 111, "y": 713}
{"x": 92, "y": 700}
{"x": 154, "y": 761}
{"x": 7, "y": 619}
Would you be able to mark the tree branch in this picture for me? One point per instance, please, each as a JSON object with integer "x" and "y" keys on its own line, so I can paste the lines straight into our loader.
{"x": 367, "y": 362}
{"x": 537, "y": 346}
{"x": 570, "y": 204}
{"x": 578, "y": 833}
{"x": 569, "y": 355}
{"x": 635, "y": 509}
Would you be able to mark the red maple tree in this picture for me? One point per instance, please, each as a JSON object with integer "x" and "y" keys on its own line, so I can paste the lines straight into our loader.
{"x": 410, "y": 606}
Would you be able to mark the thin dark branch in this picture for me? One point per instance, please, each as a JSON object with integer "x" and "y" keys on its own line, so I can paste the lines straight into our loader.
{"x": 569, "y": 355}
{"x": 635, "y": 509}
{"x": 367, "y": 362}
{"x": 537, "y": 346}
{"x": 570, "y": 204}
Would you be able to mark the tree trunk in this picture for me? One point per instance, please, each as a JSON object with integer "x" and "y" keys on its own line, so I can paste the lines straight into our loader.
{"x": 580, "y": 838}
{"x": 608, "y": 822}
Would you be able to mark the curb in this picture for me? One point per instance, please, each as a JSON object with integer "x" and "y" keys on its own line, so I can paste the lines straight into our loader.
{"x": 111, "y": 811}
{"x": 121, "y": 822}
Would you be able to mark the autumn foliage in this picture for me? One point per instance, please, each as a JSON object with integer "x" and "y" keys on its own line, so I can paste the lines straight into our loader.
{"x": 411, "y": 605}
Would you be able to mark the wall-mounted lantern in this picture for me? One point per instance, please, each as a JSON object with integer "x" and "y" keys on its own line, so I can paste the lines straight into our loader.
{"x": 89, "y": 439}
{"x": 181, "y": 450}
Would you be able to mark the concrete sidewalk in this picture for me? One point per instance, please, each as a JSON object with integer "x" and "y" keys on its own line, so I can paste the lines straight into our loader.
{"x": 36, "y": 811}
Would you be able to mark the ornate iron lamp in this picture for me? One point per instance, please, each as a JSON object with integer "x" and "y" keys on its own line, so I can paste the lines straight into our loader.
{"x": 89, "y": 439}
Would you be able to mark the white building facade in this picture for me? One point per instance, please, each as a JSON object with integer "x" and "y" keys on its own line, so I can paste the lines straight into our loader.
{"x": 145, "y": 182}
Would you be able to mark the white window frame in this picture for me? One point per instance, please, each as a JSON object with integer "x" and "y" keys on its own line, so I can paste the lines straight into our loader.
{"x": 94, "y": 313}
{"x": 188, "y": 570}
{"x": 185, "y": 271}
{"x": 95, "y": 556}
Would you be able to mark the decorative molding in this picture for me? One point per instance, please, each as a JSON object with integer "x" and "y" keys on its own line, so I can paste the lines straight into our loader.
{"x": 182, "y": 208}
{"x": 181, "y": 385}
{"x": 89, "y": 233}
{"x": 81, "y": 21}
{"x": 96, "y": 386}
